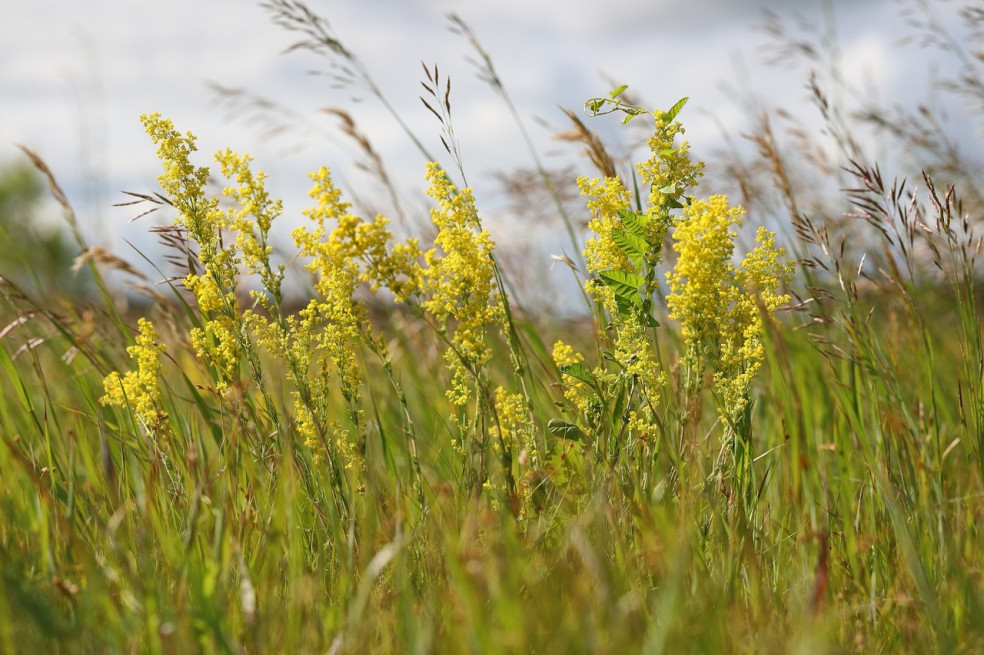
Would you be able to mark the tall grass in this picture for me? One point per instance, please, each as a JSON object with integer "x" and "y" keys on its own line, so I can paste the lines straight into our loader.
{"x": 407, "y": 460}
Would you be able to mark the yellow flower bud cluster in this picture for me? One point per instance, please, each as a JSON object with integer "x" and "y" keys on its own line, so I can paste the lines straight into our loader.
{"x": 669, "y": 171}
{"x": 605, "y": 197}
{"x": 219, "y": 340}
{"x": 139, "y": 389}
{"x": 720, "y": 306}
{"x": 250, "y": 219}
{"x": 459, "y": 282}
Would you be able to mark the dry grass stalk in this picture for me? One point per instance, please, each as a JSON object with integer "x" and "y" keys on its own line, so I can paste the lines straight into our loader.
{"x": 105, "y": 259}
{"x": 595, "y": 149}
{"x": 375, "y": 164}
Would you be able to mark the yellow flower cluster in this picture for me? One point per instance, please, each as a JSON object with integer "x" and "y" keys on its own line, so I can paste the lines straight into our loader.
{"x": 720, "y": 306}
{"x": 322, "y": 341}
{"x": 635, "y": 352}
{"x": 669, "y": 171}
{"x": 575, "y": 391}
{"x": 564, "y": 355}
{"x": 252, "y": 220}
{"x": 184, "y": 184}
{"x": 219, "y": 340}
{"x": 515, "y": 423}
{"x": 139, "y": 389}
{"x": 459, "y": 282}
{"x": 605, "y": 197}
{"x": 700, "y": 283}
{"x": 355, "y": 240}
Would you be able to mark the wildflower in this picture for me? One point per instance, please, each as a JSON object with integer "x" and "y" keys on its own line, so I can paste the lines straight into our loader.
{"x": 669, "y": 171}
{"x": 460, "y": 281}
{"x": 333, "y": 324}
{"x": 321, "y": 343}
{"x": 252, "y": 220}
{"x": 577, "y": 392}
{"x": 701, "y": 282}
{"x": 635, "y": 353}
{"x": 139, "y": 389}
{"x": 184, "y": 184}
{"x": 606, "y": 198}
{"x": 219, "y": 341}
{"x": 719, "y": 305}
{"x": 565, "y": 355}
{"x": 515, "y": 423}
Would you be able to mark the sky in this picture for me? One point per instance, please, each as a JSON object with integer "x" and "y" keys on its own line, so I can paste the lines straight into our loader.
{"x": 76, "y": 76}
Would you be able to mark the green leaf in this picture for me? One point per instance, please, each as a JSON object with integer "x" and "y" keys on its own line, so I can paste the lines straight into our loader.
{"x": 634, "y": 223}
{"x": 625, "y": 285}
{"x": 594, "y": 106}
{"x": 622, "y": 280}
{"x": 619, "y": 90}
{"x": 632, "y": 246}
{"x": 563, "y": 429}
{"x": 620, "y": 400}
{"x": 646, "y": 314}
{"x": 578, "y": 372}
{"x": 672, "y": 112}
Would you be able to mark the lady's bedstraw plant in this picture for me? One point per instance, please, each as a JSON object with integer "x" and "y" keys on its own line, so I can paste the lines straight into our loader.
{"x": 234, "y": 253}
{"x": 218, "y": 341}
{"x": 459, "y": 281}
{"x": 454, "y": 286}
{"x": 619, "y": 401}
{"x": 618, "y": 406}
{"x": 460, "y": 295}
{"x": 140, "y": 389}
{"x": 720, "y": 306}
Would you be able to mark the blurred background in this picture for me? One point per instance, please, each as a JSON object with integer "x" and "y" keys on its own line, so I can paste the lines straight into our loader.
{"x": 76, "y": 76}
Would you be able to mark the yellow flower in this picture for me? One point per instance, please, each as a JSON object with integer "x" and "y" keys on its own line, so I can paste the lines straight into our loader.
{"x": 700, "y": 282}
{"x": 565, "y": 355}
{"x": 139, "y": 389}
{"x": 606, "y": 197}
{"x": 720, "y": 307}
{"x": 575, "y": 391}
{"x": 515, "y": 422}
{"x": 184, "y": 184}
{"x": 334, "y": 323}
{"x": 634, "y": 351}
{"x": 669, "y": 172}
{"x": 252, "y": 220}
{"x": 459, "y": 281}
{"x": 219, "y": 341}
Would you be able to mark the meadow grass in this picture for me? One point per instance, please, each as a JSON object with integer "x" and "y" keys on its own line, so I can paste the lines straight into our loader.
{"x": 722, "y": 454}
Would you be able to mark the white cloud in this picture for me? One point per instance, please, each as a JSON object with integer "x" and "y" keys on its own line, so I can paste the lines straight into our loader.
{"x": 147, "y": 56}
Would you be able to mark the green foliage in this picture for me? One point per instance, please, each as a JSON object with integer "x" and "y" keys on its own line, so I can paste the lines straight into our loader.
{"x": 633, "y": 293}
{"x": 226, "y": 474}
{"x": 35, "y": 252}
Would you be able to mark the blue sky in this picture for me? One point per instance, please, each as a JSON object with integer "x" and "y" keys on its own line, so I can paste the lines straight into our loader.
{"x": 77, "y": 75}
